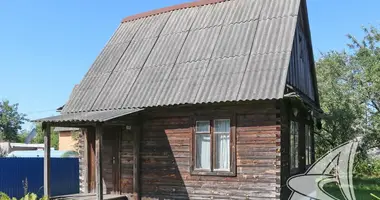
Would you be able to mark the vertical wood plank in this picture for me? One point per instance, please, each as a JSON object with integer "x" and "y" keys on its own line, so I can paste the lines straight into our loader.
{"x": 301, "y": 143}
{"x": 46, "y": 128}
{"x": 98, "y": 158}
{"x": 136, "y": 163}
{"x": 285, "y": 110}
{"x": 312, "y": 135}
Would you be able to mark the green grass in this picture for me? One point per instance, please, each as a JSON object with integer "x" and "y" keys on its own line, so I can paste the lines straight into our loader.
{"x": 363, "y": 188}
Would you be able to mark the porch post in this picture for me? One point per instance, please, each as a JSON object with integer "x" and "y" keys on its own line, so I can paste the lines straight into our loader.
{"x": 98, "y": 158}
{"x": 136, "y": 164}
{"x": 85, "y": 164}
{"x": 46, "y": 129}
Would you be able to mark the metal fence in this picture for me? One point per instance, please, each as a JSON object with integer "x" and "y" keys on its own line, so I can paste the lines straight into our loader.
{"x": 14, "y": 172}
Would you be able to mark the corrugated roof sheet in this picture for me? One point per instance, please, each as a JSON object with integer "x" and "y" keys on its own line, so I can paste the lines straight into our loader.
{"x": 225, "y": 51}
{"x": 96, "y": 116}
{"x": 60, "y": 129}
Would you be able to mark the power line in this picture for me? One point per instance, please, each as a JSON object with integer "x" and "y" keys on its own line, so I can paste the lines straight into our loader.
{"x": 40, "y": 111}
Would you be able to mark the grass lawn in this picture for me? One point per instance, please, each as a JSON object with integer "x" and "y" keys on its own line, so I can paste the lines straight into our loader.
{"x": 363, "y": 188}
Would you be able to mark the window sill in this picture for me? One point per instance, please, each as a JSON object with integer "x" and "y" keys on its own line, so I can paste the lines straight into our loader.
{"x": 214, "y": 173}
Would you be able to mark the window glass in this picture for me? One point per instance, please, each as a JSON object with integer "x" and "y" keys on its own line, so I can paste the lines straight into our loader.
{"x": 222, "y": 126}
{"x": 203, "y": 127}
{"x": 294, "y": 145}
{"x": 222, "y": 147}
{"x": 203, "y": 146}
{"x": 308, "y": 144}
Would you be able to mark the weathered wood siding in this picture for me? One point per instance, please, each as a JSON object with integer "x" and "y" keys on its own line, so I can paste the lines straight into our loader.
{"x": 166, "y": 155}
{"x": 107, "y": 163}
{"x": 300, "y": 74}
{"x": 126, "y": 163}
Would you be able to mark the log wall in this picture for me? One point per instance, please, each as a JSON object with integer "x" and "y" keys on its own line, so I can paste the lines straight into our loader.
{"x": 166, "y": 155}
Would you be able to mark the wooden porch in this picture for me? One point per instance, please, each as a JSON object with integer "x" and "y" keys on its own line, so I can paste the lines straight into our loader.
{"x": 101, "y": 174}
{"x": 90, "y": 196}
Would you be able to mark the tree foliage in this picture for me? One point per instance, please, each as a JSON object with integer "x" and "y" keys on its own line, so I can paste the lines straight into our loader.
{"x": 349, "y": 88}
{"x": 39, "y": 138}
{"x": 10, "y": 121}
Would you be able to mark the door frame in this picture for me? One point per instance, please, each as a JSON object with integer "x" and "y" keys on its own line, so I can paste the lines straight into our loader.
{"x": 90, "y": 158}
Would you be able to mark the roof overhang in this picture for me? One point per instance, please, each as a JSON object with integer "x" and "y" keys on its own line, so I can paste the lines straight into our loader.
{"x": 95, "y": 116}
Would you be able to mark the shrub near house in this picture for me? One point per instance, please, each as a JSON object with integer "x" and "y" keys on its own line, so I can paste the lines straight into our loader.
{"x": 29, "y": 196}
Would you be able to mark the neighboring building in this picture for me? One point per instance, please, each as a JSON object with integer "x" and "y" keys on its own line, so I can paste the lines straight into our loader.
{"x": 213, "y": 99}
{"x": 8, "y": 147}
{"x": 36, "y": 154}
{"x": 67, "y": 138}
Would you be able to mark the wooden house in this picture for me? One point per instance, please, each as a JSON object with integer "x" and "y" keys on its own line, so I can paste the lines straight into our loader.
{"x": 214, "y": 99}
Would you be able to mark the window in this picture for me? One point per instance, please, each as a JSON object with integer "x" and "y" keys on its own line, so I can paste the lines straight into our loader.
{"x": 294, "y": 162}
{"x": 308, "y": 141}
{"x": 213, "y": 147}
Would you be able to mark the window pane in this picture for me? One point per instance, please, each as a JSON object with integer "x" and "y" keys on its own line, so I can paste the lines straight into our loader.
{"x": 294, "y": 144}
{"x": 203, "y": 127}
{"x": 308, "y": 144}
{"x": 222, "y": 125}
{"x": 291, "y": 150}
{"x": 203, "y": 151}
{"x": 222, "y": 147}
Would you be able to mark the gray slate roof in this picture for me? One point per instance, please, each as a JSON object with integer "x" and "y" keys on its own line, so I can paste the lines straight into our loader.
{"x": 229, "y": 51}
{"x": 96, "y": 116}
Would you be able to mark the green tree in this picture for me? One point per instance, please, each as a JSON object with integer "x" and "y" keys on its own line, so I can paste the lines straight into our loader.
{"x": 10, "y": 121}
{"x": 343, "y": 111}
{"x": 365, "y": 61}
{"x": 349, "y": 88}
{"x": 22, "y": 136}
{"x": 39, "y": 138}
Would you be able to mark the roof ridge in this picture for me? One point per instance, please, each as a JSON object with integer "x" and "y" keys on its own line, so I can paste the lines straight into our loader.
{"x": 171, "y": 8}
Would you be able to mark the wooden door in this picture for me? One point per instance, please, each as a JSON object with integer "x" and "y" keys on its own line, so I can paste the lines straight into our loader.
{"x": 111, "y": 160}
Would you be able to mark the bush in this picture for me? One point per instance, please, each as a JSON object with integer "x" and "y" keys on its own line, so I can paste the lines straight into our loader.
{"x": 70, "y": 154}
{"x": 29, "y": 196}
{"x": 368, "y": 168}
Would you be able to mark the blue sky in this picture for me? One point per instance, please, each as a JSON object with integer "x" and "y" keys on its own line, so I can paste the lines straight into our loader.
{"x": 47, "y": 46}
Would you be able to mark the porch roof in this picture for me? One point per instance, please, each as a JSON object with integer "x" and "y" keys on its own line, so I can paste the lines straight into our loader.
{"x": 95, "y": 116}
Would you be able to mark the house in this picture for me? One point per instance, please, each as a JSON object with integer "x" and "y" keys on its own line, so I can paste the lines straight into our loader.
{"x": 67, "y": 138}
{"x": 8, "y": 147}
{"x": 35, "y": 154}
{"x": 213, "y": 99}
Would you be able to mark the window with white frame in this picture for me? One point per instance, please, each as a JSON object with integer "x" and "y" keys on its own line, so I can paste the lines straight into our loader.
{"x": 294, "y": 145}
{"x": 213, "y": 145}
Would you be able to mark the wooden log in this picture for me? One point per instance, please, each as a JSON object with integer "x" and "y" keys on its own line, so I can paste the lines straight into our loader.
{"x": 98, "y": 158}
{"x": 46, "y": 129}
